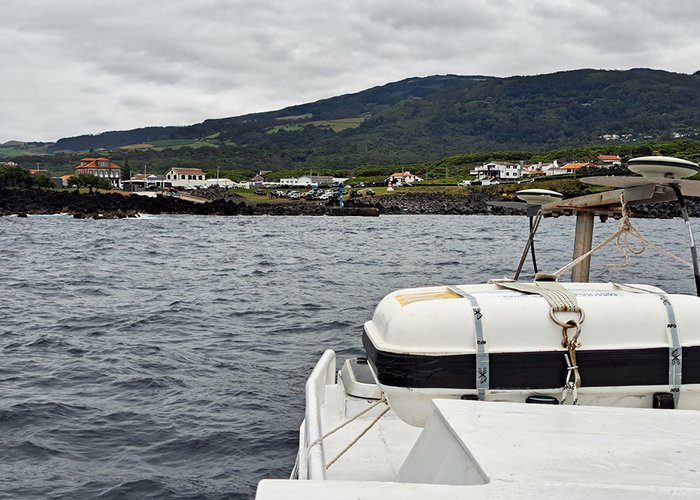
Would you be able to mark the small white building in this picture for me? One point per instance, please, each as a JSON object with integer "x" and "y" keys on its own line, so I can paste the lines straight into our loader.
{"x": 543, "y": 169}
{"x": 186, "y": 177}
{"x": 403, "y": 178}
{"x": 311, "y": 180}
{"x": 500, "y": 171}
{"x": 222, "y": 182}
{"x": 136, "y": 182}
{"x": 553, "y": 169}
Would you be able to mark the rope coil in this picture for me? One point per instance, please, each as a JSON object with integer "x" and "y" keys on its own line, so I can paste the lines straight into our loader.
{"x": 621, "y": 237}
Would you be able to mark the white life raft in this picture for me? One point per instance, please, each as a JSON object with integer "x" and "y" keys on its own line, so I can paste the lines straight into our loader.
{"x": 640, "y": 347}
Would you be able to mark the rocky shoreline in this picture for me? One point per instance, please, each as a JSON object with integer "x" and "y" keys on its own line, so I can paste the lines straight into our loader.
{"x": 113, "y": 205}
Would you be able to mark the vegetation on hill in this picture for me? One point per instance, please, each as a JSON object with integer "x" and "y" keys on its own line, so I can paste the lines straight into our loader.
{"x": 437, "y": 126}
{"x": 449, "y": 169}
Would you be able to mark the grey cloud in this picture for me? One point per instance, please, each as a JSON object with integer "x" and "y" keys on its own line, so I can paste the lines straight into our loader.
{"x": 109, "y": 64}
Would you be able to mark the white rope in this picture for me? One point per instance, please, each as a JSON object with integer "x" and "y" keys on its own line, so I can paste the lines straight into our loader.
{"x": 342, "y": 452}
{"x": 336, "y": 429}
{"x": 621, "y": 239}
{"x": 627, "y": 250}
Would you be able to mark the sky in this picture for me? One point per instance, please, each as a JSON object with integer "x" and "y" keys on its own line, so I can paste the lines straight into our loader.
{"x": 73, "y": 67}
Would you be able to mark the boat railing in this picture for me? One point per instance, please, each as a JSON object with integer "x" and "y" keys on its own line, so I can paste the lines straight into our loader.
{"x": 312, "y": 461}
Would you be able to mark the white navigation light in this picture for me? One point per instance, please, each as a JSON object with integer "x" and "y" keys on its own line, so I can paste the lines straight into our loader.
{"x": 666, "y": 167}
{"x": 539, "y": 196}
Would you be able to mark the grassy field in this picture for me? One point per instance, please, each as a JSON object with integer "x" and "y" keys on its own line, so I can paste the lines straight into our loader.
{"x": 340, "y": 124}
{"x": 251, "y": 197}
{"x": 170, "y": 144}
{"x": 135, "y": 147}
{"x": 335, "y": 125}
{"x": 15, "y": 152}
{"x": 285, "y": 128}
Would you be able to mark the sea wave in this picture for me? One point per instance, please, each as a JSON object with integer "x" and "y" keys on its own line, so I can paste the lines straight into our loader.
{"x": 165, "y": 356}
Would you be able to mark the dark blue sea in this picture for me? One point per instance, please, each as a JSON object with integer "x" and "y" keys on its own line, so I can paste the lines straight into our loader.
{"x": 165, "y": 357}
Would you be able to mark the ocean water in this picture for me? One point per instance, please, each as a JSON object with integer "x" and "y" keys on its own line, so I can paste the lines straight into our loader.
{"x": 165, "y": 357}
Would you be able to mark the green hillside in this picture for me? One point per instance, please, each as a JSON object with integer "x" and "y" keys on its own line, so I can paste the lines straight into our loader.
{"x": 421, "y": 120}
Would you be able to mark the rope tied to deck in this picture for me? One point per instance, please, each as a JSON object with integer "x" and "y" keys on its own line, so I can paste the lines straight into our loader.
{"x": 352, "y": 419}
{"x": 560, "y": 300}
{"x": 621, "y": 237}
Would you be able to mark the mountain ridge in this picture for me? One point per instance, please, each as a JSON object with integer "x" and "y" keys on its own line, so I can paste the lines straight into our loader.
{"x": 422, "y": 119}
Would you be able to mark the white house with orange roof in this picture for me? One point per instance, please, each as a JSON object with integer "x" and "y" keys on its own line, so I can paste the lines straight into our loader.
{"x": 101, "y": 167}
{"x": 575, "y": 167}
{"x": 403, "y": 178}
{"x": 186, "y": 178}
{"x": 608, "y": 160}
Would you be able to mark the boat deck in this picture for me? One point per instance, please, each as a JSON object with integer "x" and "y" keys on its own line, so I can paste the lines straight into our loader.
{"x": 377, "y": 455}
{"x": 472, "y": 449}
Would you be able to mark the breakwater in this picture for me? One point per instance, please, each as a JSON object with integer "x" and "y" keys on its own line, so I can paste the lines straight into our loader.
{"x": 117, "y": 205}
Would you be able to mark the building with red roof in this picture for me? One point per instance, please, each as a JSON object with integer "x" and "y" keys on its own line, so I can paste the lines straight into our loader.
{"x": 403, "y": 178}
{"x": 607, "y": 160}
{"x": 101, "y": 167}
{"x": 570, "y": 167}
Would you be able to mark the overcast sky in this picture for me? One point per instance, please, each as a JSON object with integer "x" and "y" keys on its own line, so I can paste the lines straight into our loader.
{"x": 71, "y": 67}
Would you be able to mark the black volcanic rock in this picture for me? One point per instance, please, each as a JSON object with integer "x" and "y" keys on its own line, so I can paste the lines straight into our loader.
{"x": 112, "y": 205}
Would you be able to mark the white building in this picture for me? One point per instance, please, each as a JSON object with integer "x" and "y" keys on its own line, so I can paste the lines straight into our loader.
{"x": 403, "y": 178}
{"x": 498, "y": 171}
{"x": 553, "y": 169}
{"x": 186, "y": 177}
{"x": 136, "y": 182}
{"x": 222, "y": 182}
{"x": 311, "y": 180}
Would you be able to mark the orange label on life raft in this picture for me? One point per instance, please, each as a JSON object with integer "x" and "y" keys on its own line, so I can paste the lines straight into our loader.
{"x": 410, "y": 298}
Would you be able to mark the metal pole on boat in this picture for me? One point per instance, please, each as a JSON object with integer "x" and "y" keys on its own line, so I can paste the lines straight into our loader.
{"x": 530, "y": 244}
{"x": 693, "y": 250}
{"x": 583, "y": 241}
{"x": 532, "y": 248}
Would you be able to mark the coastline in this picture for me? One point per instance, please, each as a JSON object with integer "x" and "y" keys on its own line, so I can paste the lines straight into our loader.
{"x": 23, "y": 202}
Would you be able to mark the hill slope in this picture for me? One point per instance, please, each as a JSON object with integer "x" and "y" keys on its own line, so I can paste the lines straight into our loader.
{"x": 422, "y": 119}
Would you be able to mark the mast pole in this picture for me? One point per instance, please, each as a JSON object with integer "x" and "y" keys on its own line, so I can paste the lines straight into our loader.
{"x": 693, "y": 250}
{"x": 583, "y": 240}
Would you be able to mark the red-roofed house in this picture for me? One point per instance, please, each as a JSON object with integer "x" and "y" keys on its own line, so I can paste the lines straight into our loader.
{"x": 608, "y": 160}
{"x": 101, "y": 167}
{"x": 403, "y": 178}
{"x": 572, "y": 167}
